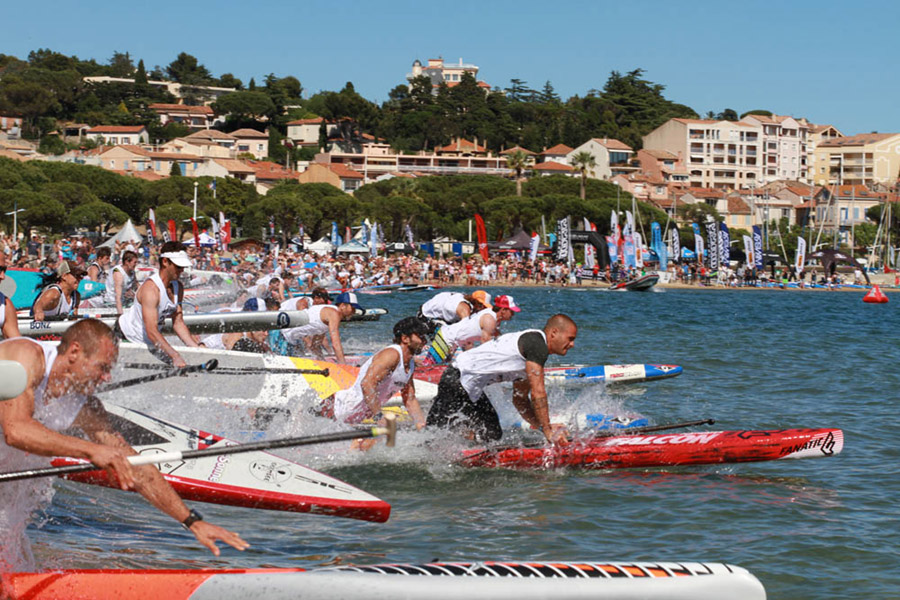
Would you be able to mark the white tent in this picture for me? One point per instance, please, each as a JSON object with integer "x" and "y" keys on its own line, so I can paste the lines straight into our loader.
{"x": 127, "y": 234}
{"x": 353, "y": 247}
{"x": 322, "y": 246}
{"x": 205, "y": 240}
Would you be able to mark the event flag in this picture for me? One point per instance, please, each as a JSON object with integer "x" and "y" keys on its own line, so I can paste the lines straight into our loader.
{"x": 629, "y": 223}
{"x": 658, "y": 246}
{"x": 334, "y": 235}
{"x": 628, "y": 252}
{"x": 698, "y": 242}
{"x": 757, "y": 248}
{"x": 535, "y": 244}
{"x": 409, "y": 235}
{"x": 151, "y": 220}
{"x": 196, "y": 231}
{"x": 481, "y": 230}
{"x": 172, "y": 231}
{"x": 373, "y": 240}
{"x": 588, "y": 248}
{"x": 712, "y": 241}
{"x": 562, "y": 239}
{"x": 676, "y": 244}
{"x": 613, "y": 249}
{"x": 749, "y": 251}
{"x": 800, "y": 258}
{"x": 638, "y": 250}
{"x": 614, "y": 226}
{"x": 724, "y": 244}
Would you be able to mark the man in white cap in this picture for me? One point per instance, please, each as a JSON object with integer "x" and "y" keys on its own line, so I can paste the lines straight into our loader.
{"x": 479, "y": 327}
{"x": 159, "y": 298}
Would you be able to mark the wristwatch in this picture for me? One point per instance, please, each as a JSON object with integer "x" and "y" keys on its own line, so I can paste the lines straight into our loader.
{"x": 192, "y": 518}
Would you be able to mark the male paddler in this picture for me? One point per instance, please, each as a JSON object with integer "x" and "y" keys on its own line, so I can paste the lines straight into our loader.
{"x": 9, "y": 323}
{"x": 60, "y": 298}
{"x": 58, "y": 396}
{"x": 120, "y": 284}
{"x": 325, "y": 318}
{"x": 477, "y": 327}
{"x": 159, "y": 298}
{"x": 518, "y": 357}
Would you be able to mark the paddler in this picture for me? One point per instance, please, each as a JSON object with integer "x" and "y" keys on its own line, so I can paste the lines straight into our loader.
{"x": 9, "y": 322}
{"x": 159, "y": 298}
{"x": 60, "y": 297}
{"x": 461, "y": 403}
{"x": 477, "y": 327}
{"x": 121, "y": 284}
{"x": 99, "y": 269}
{"x": 384, "y": 374}
{"x": 447, "y": 308}
{"x": 325, "y": 318}
{"x": 61, "y": 381}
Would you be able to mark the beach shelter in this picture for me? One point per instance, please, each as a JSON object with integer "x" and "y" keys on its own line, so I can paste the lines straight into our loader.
{"x": 353, "y": 247}
{"x": 205, "y": 240}
{"x": 128, "y": 233}
{"x": 320, "y": 246}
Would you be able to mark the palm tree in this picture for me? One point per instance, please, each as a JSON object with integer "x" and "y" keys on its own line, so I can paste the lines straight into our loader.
{"x": 584, "y": 163}
{"x": 517, "y": 161}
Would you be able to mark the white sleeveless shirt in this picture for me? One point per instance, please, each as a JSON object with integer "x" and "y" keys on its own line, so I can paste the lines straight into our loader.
{"x": 63, "y": 306}
{"x": 128, "y": 281}
{"x": 492, "y": 362}
{"x": 132, "y": 320}
{"x": 349, "y": 404}
{"x": 315, "y": 326}
{"x": 467, "y": 330}
{"x": 102, "y": 274}
{"x": 443, "y": 307}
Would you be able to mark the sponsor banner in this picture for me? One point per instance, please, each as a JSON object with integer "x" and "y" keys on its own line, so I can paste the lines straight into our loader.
{"x": 628, "y": 251}
{"x": 800, "y": 258}
{"x": 676, "y": 244}
{"x": 481, "y": 230}
{"x": 613, "y": 249}
{"x": 562, "y": 239}
{"x": 638, "y": 250}
{"x": 712, "y": 236}
{"x": 535, "y": 244}
{"x": 749, "y": 251}
{"x": 589, "y": 248}
{"x": 757, "y": 248}
{"x": 724, "y": 244}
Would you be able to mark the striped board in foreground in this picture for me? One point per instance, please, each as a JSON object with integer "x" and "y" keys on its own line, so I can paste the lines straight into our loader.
{"x": 663, "y": 450}
{"x": 436, "y": 581}
{"x": 608, "y": 374}
{"x": 251, "y": 479}
{"x": 197, "y": 323}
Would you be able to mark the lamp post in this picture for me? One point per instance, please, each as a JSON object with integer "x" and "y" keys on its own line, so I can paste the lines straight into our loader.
{"x": 195, "y": 200}
{"x": 15, "y": 215}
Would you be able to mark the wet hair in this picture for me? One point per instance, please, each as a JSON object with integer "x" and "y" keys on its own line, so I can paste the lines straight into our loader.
{"x": 475, "y": 303}
{"x": 320, "y": 292}
{"x": 128, "y": 255}
{"x": 105, "y": 251}
{"x": 88, "y": 333}
{"x": 271, "y": 303}
{"x": 559, "y": 321}
{"x": 409, "y": 326}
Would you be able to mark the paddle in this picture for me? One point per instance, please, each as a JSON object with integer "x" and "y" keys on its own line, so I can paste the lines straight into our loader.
{"x": 239, "y": 370}
{"x": 13, "y": 379}
{"x": 612, "y": 433}
{"x": 151, "y": 459}
{"x": 201, "y": 368}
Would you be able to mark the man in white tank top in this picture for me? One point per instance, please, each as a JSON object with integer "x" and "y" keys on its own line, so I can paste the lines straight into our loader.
{"x": 158, "y": 298}
{"x": 99, "y": 269}
{"x": 518, "y": 357}
{"x": 325, "y": 318}
{"x": 58, "y": 395}
{"x": 61, "y": 298}
{"x": 480, "y": 327}
{"x": 387, "y": 372}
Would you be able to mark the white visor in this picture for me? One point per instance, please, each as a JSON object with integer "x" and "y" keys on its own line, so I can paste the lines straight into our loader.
{"x": 180, "y": 259}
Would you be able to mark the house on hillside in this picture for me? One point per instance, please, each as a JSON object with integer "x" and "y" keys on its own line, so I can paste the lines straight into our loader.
{"x": 116, "y": 135}
{"x": 195, "y": 117}
{"x": 251, "y": 141}
{"x": 339, "y": 175}
{"x": 305, "y": 132}
{"x": 558, "y": 153}
{"x": 612, "y": 157}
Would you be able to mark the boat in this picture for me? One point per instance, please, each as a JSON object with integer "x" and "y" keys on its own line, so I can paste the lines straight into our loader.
{"x": 252, "y": 479}
{"x": 22, "y": 286}
{"x": 641, "y": 284}
{"x": 609, "y": 374}
{"x": 503, "y": 580}
{"x": 664, "y": 450}
{"x": 198, "y": 323}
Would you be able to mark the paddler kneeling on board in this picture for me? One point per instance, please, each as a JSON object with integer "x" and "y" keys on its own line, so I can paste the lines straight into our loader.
{"x": 461, "y": 403}
{"x": 58, "y": 396}
{"x": 324, "y": 319}
{"x": 387, "y": 372}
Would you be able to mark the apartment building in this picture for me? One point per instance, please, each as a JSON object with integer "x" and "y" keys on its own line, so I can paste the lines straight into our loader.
{"x": 784, "y": 147}
{"x": 866, "y": 159}
{"x": 440, "y": 72}
{"x": 195, "y": 117}
{"x": 818, "y": 134}
{"x": 115, "y": 135}
{"x": 612, "y": 157}
{"x": 717, "y": 154}
{"x": 305, "y": 132}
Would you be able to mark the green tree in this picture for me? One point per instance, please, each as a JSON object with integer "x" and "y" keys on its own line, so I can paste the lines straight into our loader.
{"x": 246, "y": 106}
{"x": 584, "y": 164}
{"x": 140, "y": 76}
{"x": 175, "y": 170}
{"x": 186, "y": 69}
{"x": 517, "y": 161}
{"x": 96, "y": 215}
{"x": 179, "y": 213}
{"x": 121, "y": 65}
{"x": 230, "y": 81}
{"x": 697, "y": 212}
{"x": 40, "y": 210}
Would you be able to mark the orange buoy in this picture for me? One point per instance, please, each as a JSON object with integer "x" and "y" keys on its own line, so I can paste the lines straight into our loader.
{"x": 875, "y": 296}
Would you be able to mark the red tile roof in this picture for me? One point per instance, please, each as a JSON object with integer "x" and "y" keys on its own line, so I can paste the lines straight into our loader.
{"x": 462, "y": 145}
{"x": 209, "y": 134}
{"x": 145, "y": 175}
{"x": 249, "y": 133}
{"x": 526, "y": 151}
{"x": 557, "y": 150}
{"x": 552, "y": 165}
{"x": 699, "y": 192}
{"x": 343, "y": 171}
{"x": 314, "y": 121}
{"x": 117, "y": 129}
{"x": 234, "y": 166}
{"x": 611, "y": 144}
{"x": 856, "y": 140}
{"x": 194, "y": 110}
{"x": 737, "y": 206}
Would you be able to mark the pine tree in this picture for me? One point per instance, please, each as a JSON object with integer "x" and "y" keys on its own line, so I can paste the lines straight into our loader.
{"x": 140, "y": 76}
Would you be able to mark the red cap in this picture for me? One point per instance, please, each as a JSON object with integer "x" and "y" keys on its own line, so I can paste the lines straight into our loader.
{"x": 506, "y": 302}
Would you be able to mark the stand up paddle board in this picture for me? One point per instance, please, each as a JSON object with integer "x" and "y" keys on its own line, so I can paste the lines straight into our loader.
{"x": 670, "y": 449}
{"x": 608, "y": 374}
{"x": 196, "y": 323}
{"x": 22, "y": 286}
{"x": 437, "y": 581}
{"x": 252, "y": 479}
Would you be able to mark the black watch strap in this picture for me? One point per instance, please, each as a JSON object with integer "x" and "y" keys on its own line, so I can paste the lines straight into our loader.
{"x": 192, "y": 518}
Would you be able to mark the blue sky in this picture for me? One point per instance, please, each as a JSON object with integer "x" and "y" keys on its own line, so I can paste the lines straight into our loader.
{"x": 827, "y": 61}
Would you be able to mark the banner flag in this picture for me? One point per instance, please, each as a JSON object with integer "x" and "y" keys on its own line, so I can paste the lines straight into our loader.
{"x": 196, "y": 231}
{"x": 676, "y": 244}
{"x": 628, "y": 251}
{"x": 613, "y": 249}
{"x": 749, "y": 251}
{"x": 758, "y": 248}
{"x": 638, "y": 250}
{"x": 629, "y": 223}
{"x": 227, "y": 238}
{"x": 698, "y": 242}
{"x": 562, "y": 239}
{"x": 334, "y": 235}
{"x": 409, "y": 235}
{"x": 724, "y": 244}
{"x": 614, "y": 225}
{"x": 172, "y": 231}
{"x": 373, "y": 240}
{"x": 535, "y": 244}
{"x": 481, "y": 230}
{"x": 151, "y": 220}
{"x": 800, "y": 258}
{"x": 712, "y": 240}
{"x": 588, "y": 248}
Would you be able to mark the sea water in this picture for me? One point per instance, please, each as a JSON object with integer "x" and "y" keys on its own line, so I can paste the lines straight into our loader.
{"x": 819, "y": 528}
